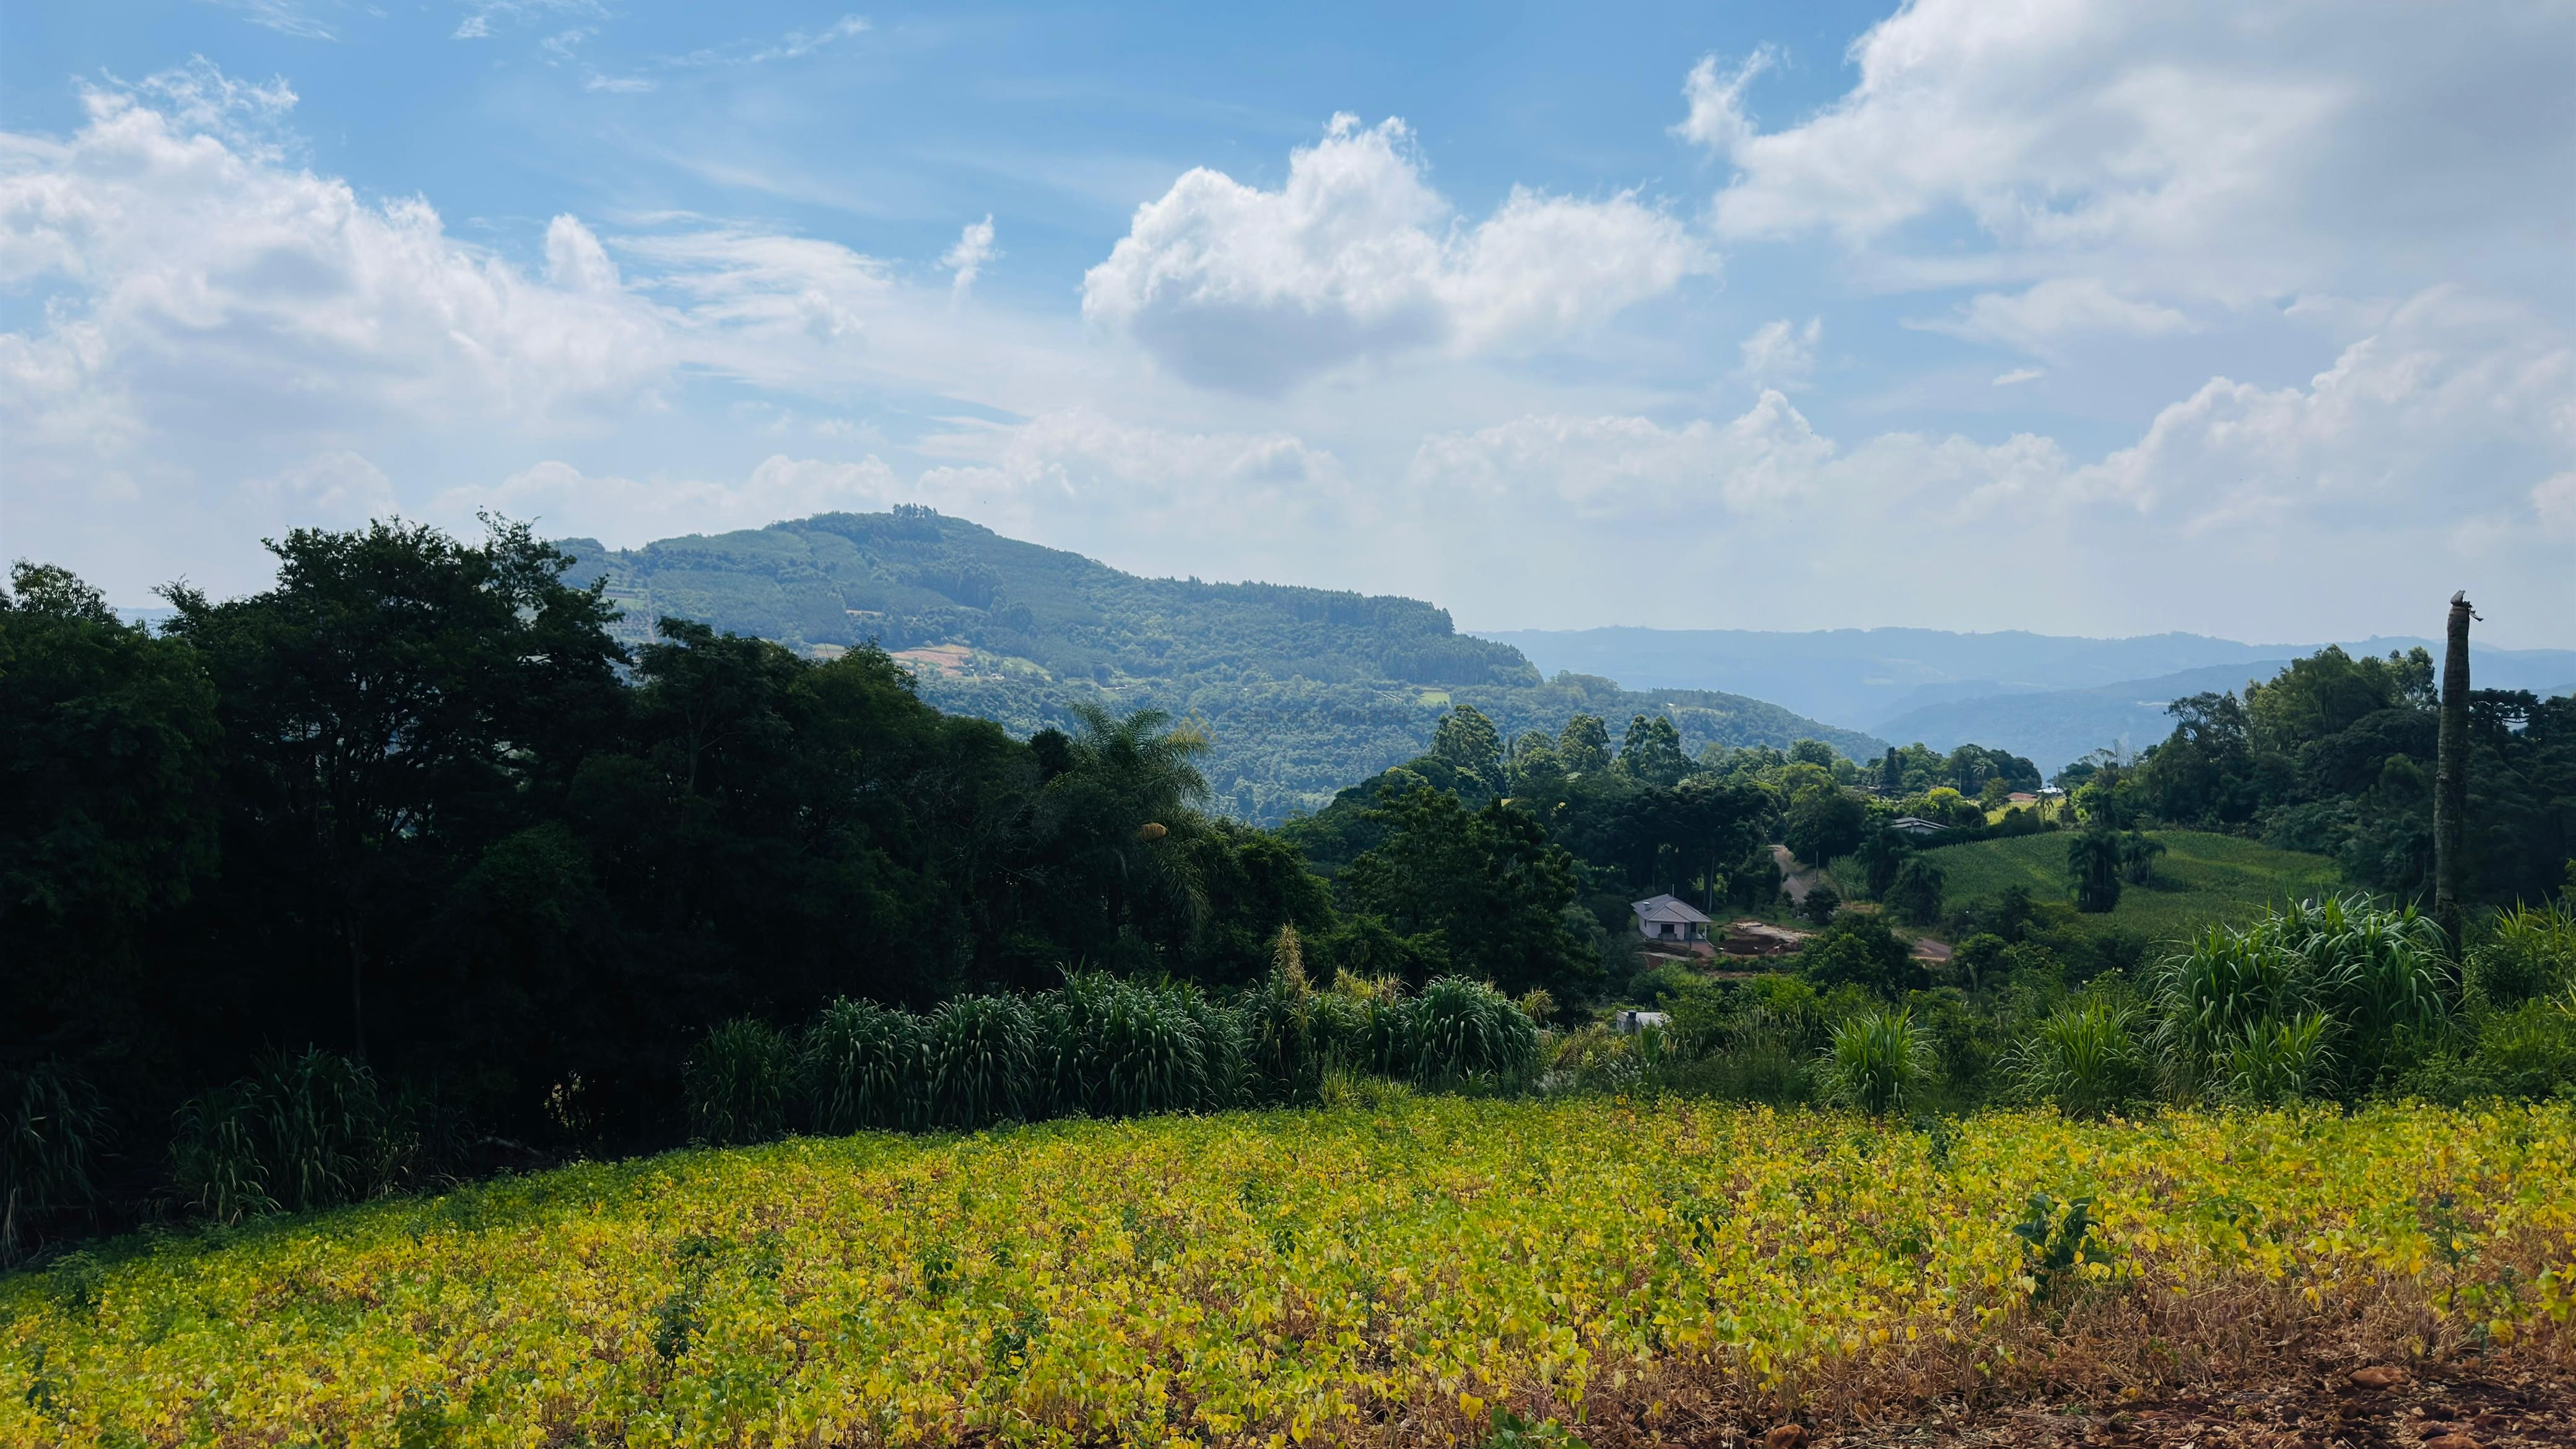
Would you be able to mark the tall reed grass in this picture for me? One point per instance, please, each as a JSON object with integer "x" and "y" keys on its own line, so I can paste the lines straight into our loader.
{"x": 1099, "y": 1046}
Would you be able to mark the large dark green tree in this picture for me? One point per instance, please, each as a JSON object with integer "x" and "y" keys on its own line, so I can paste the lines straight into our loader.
{"x": 109, "y": 807}
{"x": 390, "y": 707}
{"x": 1488, "y": 884}
{"x": 1824, "y": 823}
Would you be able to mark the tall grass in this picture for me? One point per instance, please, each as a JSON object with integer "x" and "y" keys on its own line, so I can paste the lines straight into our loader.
{"x": 863, "y": 1067}
{"x": 55, "y": 1128}
{"x": 1098, "y": 1046}
{"x": 1878, "y": 1062}
{"x": 1464, "y": 1030}
{"x": 2533, "y": 954}
{"x": 982, "y": 1060}
{"x": 304, "y": 1131}
{"x": 1118, "y": 1049}
{"x": 2320, "y": 998}
{"x": 2086, "y": 1059}
{"x": 737, "y": 1083}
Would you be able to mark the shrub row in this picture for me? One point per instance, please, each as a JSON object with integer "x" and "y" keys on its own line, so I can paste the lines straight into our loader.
{"x": 1098, "y": 1046}
{"x": 2337, "y": 1000}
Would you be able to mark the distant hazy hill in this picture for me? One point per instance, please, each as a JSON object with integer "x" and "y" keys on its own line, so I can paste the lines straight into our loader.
{"x": 1860, "y": 677}
{"x": 1305, "y": 690}
{"x": 2052, "y": 698}
{"x": 2058, "y": 726}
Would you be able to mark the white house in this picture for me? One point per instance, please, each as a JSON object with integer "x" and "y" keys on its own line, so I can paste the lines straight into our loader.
{"x": 1916, "y": 825}
{"x": 1665, "y": 918}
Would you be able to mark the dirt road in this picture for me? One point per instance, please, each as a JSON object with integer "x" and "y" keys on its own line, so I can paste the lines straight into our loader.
{"x": 1796, "y": 879}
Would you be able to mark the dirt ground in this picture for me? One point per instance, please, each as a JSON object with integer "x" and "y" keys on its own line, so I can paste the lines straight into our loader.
{"x": 2448, "y": 1407}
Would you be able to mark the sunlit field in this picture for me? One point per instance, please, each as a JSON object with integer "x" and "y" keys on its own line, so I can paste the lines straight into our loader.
{"x": 2201, "y": 878}
{"x": 1413, "y": 1270}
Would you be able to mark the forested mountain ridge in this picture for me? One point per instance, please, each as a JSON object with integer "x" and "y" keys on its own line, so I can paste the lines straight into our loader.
{"x": 1304, "y": 690}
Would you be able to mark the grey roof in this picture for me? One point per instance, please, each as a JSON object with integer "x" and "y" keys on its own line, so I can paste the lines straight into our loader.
{"x": 1916, "y": 825}
{"x": 1666, "y": 908}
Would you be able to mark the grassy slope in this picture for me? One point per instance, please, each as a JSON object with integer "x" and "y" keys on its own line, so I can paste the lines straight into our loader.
{"x": 1374, "y": 1273}
{"x": 2201, "y": 878}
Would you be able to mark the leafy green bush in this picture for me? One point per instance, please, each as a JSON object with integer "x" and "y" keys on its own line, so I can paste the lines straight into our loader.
{"x": 737, "y": 1083}
{"x": 2530, "y": 1051}
{"x": 2527, "y": 1052}
{"x": 2086, "y": 1059}
{"x": 1860, "y": 948}
{"x": 1877, "y": 1062}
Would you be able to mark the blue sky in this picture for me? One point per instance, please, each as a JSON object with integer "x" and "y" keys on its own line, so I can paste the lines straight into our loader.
{"x": 2059, "y": 315}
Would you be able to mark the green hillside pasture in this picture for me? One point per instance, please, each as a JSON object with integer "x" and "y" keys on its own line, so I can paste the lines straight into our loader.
{"x": 2200, "y": 878}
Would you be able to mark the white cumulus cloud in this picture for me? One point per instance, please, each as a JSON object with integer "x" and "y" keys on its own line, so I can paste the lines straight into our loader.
{"x": 1718, "y": 119}
{"x": 1781, "y": 355}
{"x": 2198, "y": 147}
{"x": 1356, "y": 256}
{"x": 966, "y": 259}
{"x": 198, "y": 279}
{"x": 2454, "y": 405}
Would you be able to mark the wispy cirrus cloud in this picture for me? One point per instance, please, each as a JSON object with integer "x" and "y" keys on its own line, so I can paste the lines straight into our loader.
{"x": 299, "y": 18}
{"x": 793, "y": 45}
{"x": 482, "y": 16}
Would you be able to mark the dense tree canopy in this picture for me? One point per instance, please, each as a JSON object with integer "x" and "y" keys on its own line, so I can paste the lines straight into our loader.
{"x": 2336, "y": 754}
{"x": 414, "y": 803}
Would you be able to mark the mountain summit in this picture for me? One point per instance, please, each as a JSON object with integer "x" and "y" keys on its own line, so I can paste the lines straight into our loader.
{"x": 1303, "y": 690}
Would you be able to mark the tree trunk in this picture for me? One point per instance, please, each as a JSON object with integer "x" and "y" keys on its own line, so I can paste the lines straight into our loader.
{"x": 2451, "y": 776}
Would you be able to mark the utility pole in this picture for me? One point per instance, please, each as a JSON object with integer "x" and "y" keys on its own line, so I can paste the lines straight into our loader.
{"x": 2451, "y": 775}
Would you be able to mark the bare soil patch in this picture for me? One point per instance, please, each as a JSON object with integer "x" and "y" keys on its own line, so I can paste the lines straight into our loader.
{"x": 2453, "y": 1406}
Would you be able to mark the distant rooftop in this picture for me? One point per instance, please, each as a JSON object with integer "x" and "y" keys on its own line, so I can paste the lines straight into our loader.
{"x": 1667, "y": 908}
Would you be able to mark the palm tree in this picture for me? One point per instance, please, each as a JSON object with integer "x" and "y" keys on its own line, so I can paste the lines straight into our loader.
{"x": 1127, "y": 807}
{"x": 2093, "y": 859}
{"x": 2138, "y": 852}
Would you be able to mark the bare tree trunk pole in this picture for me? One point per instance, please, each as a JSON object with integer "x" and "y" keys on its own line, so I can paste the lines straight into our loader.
{"x": 2451, "y": 775}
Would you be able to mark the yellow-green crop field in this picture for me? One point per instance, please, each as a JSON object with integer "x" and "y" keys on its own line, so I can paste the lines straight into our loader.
{"x": 1388, "y": 1274}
